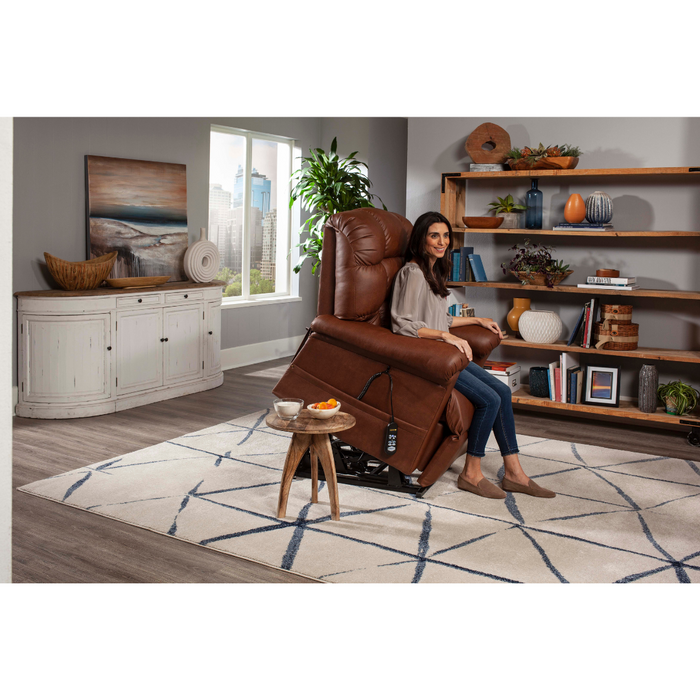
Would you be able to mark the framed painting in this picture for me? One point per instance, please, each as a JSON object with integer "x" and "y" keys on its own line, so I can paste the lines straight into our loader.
{"x": 138, "y": 208}
{"x": 601, "y": 386}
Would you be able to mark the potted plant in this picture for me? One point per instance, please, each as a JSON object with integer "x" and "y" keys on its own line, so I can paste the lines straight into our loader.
{"x": 509, "y": 210}
{"x": 544, "y": 157}
{"x": 679, "y": 398}
{"x": 326, "y": 185}
{"x": 533, "y": 264}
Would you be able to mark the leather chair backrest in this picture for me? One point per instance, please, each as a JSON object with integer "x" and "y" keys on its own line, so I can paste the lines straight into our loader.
{"x": 362, "y": 251}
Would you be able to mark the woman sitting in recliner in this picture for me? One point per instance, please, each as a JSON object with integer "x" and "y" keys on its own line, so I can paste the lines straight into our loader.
{"x": 419, "y": 309}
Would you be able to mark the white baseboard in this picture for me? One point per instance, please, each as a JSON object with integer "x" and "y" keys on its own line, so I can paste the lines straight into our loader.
{"x": 259, "y": 352}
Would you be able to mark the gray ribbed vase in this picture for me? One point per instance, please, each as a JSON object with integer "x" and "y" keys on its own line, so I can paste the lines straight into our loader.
{"x": 599, "y": 208}
{"x": 648, "y": 386}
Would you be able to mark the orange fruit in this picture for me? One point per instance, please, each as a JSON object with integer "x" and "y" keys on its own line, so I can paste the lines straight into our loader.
{"x": 332, "y": 403}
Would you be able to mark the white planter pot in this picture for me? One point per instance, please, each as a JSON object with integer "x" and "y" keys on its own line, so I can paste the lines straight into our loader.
{"x": 542, "y": 327}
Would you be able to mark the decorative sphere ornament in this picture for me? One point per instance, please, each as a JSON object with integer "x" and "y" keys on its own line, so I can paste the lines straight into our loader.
{"x": 541, "y": 327}
{"x": 202, "y": 259}
{"x": 599, "y": 208}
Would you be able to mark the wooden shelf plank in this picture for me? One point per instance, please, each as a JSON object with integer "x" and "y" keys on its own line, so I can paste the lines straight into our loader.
{"x": 627, "y": 409}
{"x": 570, "y": 289}
{"x": 596, "y": 172}
{"x": 607, "y": 234}
{"x": 670, "y": 355}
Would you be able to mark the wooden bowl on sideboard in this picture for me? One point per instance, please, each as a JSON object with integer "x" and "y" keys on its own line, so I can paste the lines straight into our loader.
{"x": 88, "y": 274}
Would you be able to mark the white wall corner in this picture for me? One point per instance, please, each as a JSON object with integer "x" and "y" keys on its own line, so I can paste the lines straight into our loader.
{"x": 259, "y": 352}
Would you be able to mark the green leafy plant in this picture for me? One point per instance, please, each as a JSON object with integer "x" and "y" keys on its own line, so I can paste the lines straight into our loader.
{"x": 326, "y": 185}
{"x": 506, "y": 205}
{"x": 680, "y": 398}
{"x": 532, "y": 155}
{"x": 537, "y": 259}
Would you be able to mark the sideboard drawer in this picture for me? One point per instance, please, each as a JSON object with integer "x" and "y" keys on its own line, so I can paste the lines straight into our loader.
{"x": 174, "y": 297}
{"x": 141, "y": 300}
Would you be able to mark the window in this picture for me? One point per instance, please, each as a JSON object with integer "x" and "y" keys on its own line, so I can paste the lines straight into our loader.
{"x": 249, "y": 215}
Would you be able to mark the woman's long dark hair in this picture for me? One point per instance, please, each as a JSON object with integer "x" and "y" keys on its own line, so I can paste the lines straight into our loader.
{"x": 440, "y": 273}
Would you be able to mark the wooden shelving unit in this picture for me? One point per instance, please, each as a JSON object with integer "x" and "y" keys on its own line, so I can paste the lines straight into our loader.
{"x": 452, "y": 205}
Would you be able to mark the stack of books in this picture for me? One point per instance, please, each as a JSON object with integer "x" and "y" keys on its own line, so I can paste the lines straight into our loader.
{"x": 566, "y": 379}
{"x": 585, "y": 226}
{"x": 466, "y": 266}
{"x": 621, "y": 283}
{"x": 583, "y": 330}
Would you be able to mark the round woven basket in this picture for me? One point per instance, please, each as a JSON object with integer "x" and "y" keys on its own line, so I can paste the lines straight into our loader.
{"x": 538, "y": 278}
{"x": 88, "y": 274}
{"x": 618, "y": 313}
{"x": 617, "y": 336}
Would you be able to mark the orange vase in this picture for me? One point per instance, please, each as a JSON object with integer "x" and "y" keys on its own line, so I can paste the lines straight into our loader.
{"x": 575, "y": 209}
{"x": 519, "y": 307}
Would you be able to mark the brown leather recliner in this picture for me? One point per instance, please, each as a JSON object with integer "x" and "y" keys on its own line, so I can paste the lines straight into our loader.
{"x": 350, "y": 340}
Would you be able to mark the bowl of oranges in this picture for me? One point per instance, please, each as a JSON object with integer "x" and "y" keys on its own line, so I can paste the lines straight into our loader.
{"x": 324, "y": 409}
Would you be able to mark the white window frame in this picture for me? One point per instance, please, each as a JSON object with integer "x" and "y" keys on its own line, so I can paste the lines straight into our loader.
{"x": 293, "y": 222}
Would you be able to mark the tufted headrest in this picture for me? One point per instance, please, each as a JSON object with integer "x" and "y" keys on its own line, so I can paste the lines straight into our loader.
{"x": 363, "y": 250}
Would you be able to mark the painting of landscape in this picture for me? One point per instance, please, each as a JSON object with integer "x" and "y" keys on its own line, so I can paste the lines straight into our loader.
{"x": 138, "y": 208}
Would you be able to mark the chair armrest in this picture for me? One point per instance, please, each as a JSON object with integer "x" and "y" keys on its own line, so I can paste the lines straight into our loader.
{"x": 430, "y": 359}
{"x": 482, "y": 341}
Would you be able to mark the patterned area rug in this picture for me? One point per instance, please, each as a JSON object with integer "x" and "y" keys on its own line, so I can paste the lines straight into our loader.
{"x": 618, "y": 517}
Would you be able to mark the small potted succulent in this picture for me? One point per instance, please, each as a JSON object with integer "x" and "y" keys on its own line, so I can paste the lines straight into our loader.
{"x": 679, "y": 398}
{"x": 544, "y": 157}
{"x": 509, "y": 210}
{"x": 533, "y": 264}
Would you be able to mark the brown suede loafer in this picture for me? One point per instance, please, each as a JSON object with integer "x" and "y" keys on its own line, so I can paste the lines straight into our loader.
{"x": 532, "y": 489}
{"x": 484, "y": 488}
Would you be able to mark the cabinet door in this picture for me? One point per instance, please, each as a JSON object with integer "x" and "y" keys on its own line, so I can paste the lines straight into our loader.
{"x": 66, "y": 358}
{"x": 183, "y": 360}
{"x": 139, "y": 350}
{"x": 213, "y": 364}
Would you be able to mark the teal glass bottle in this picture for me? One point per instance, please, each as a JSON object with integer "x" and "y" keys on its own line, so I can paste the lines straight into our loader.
{"x": 533, "y": 200}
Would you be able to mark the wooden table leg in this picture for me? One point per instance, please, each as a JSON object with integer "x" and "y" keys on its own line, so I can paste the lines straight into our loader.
{"x": 300, "y": 443}
{"x": 322, "y": 447}
{"x": 314, "y": 473}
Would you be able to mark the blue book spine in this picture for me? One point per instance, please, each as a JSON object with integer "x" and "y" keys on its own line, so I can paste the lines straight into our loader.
{"x": 465, "y": 252}
{"x": 478, "y": 268}
{"x": 455, "y": 267}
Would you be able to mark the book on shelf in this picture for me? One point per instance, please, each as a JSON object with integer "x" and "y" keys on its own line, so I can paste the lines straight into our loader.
{"x": 590, "y": 320}
{"x": 502, "y": 368}
{"x": 552, "y": 381}
{"x": 557, "y": 384}
{"x": 610, "y": 280}
{"x": 455, "y": 260}
{"x": 584, "y": 226}
{"x": 568, "y": 362}
{"x": 477, "y": 268}
{"x": 465, "y": 271}
{"x": 579, "y": 386}
{"x": 573, "y": 386}
{"x": 619, "y": 287}
{"x": 577, "y": 327}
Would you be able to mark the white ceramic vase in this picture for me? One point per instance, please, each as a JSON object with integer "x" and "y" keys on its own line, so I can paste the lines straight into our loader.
{"x": 541, "y": 327}
{"x": 202, "y": 259}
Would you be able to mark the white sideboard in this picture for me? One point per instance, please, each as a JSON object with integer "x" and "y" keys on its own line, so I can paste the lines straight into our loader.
{"x": 87, "y": 353}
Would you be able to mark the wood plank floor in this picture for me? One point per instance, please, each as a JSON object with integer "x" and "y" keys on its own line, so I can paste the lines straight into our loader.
{"x": 54, "y": 543}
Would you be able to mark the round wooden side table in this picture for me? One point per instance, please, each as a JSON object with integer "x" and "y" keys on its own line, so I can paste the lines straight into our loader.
{"x": 310, "y": 434}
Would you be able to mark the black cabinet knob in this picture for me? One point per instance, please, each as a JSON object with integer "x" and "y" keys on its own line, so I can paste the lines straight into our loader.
{"x": 109, "y": 347}
{"x": 186, "y": 295}
{"x": 211, "y": 332}
{"x": 162, "y": 340}
{"x": 140, "y": 300}
{"x": 166, "y": 340}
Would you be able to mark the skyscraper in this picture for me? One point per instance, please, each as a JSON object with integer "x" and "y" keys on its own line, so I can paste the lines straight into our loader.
{"x": 261, "y": 190}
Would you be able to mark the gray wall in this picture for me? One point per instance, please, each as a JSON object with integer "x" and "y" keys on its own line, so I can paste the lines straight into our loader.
{"x": 49, "y": 190}
{"x": 436, "y": 145}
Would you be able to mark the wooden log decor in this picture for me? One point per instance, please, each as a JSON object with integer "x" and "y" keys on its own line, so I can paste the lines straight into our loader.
{"x": 490, "y": 134}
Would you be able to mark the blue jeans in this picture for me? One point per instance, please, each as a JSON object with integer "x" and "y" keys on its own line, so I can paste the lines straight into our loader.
{"x": 493, "y": 411}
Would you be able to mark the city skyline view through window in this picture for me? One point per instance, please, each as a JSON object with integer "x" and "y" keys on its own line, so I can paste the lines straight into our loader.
{"x": 253, "y": 239}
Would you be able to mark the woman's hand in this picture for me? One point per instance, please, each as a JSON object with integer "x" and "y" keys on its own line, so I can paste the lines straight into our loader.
{"x": 461, "y": 344}
{"x": 492, "y": 326}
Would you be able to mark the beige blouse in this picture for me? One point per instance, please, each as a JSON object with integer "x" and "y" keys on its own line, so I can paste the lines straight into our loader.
{"x": 414, "y": 305}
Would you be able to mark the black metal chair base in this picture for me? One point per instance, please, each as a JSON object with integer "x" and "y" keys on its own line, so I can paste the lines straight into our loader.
{"x": 357, "y": 468}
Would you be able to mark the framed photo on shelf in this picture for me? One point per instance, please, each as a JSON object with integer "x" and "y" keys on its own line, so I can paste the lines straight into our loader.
{"x": 601, "y": 386}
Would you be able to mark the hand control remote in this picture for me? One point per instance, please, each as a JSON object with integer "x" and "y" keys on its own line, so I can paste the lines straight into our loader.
{"x": 390, "y": 438}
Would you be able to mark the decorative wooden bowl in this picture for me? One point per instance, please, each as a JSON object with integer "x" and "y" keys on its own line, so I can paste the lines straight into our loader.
{"x": 539, "y": 279}
{"x": 558, "y": 163}
{"x": 88, "y": 274}
{"x": 482, "y": 221}
{"x": 137, "y": 282}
